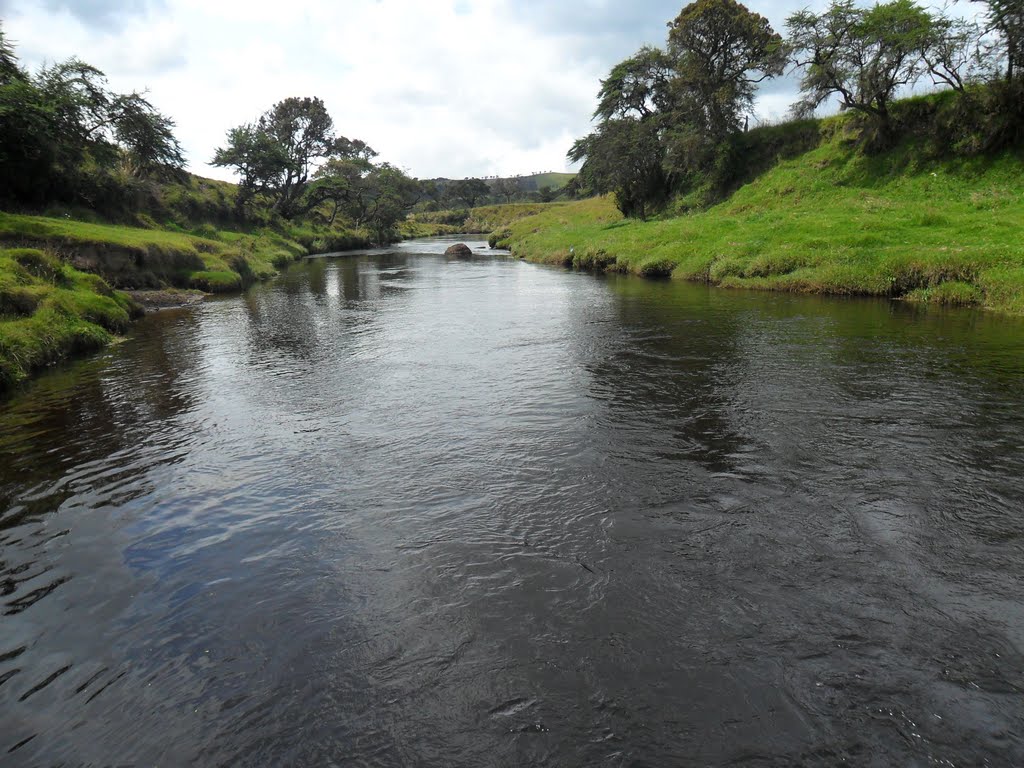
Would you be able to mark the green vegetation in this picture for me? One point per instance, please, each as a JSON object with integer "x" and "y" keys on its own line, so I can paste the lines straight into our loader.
{"x": 910, "y": 222}
{"x": 672, "y": 122}
{"x": 49, "y": 311}
{"x": 93, "y": 181}
{"x": 552, "y": 180}
{"x": 132, "y": 257}
{"x": 484, "y": 219}
{"x": 921, "y": 198}
{"x": 441, "y": 195}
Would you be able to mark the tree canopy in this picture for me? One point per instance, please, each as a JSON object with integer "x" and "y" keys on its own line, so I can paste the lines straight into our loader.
{"x": 62, "y": 129}
{"x": 277, "y": 154}
{"x": 719, "y": 51}
{"x": 1006, "y": 18}
{"x": 662, "y": 113}
{"x": 863, "y": 55}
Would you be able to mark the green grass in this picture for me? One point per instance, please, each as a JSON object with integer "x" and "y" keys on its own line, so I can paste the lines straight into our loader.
{"x": 829, "y": 220}
{"x": 50, "y": 311}
{"x": 489, "y": 218}
{"x": 483, "y": 219}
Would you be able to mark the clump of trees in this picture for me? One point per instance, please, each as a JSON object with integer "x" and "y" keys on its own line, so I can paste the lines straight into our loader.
{"x": 670, "y": 121}
{"x": 292, "y": 159}
{"x": 65, "y": 136}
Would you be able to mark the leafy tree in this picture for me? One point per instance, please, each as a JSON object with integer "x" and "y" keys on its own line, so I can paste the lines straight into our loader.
{"x": 10, "y": 70}
{"x": 278, "y": 153}
{"x": 507, "y": 189}
{"x": 863, "y": 55}
{"x": 636, "y": 87}
{"x": 340, "y": 182}
{"x": 391, "y": 195}
{"x": 624, "y": 156}
{"x": 368, "y": 195}
{"x": 63, "y": 132}
{"x": 469, "y": 191}
{"x": 1006, "y": 17}
{"x": 146, "y": 138}
{"x": 304, "y": 132}
{"x": 256, "y": 157}
{"x": 663, "y": 114}
{"x": 953, "y": 56}
{"x": 719, "y": 51}
{"x": 434, "y": 193}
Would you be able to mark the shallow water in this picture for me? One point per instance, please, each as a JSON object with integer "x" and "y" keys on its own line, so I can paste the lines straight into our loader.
{"x": 392, "y": 509}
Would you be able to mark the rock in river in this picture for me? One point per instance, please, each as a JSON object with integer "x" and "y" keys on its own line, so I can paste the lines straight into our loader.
{"x": 459, "y": 250}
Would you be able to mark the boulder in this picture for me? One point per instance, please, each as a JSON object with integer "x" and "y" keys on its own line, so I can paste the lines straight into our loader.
{"x": 459, "y": 251}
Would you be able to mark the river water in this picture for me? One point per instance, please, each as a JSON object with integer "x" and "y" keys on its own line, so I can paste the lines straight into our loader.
{"x": 393, "y": 509}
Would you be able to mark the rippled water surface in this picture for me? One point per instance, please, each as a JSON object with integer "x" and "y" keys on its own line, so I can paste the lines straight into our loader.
{"x": 392, "y": 509}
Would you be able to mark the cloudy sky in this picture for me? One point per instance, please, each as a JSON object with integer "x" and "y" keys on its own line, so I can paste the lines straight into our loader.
{"x": 439, "y": 87}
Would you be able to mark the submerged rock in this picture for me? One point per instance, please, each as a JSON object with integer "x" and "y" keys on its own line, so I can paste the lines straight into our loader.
{"x": 459, "y": 250}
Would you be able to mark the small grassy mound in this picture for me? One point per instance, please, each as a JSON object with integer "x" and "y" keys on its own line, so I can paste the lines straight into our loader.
{"x": 50, "y": 311}
{"x": 902, "y": 223}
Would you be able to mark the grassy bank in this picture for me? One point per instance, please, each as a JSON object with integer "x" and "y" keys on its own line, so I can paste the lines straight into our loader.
{"x": 135, "y": 257}
{"x": 59, "y": 278}
{"x": 829, "y": 220}
{"x": 50, "y": 311}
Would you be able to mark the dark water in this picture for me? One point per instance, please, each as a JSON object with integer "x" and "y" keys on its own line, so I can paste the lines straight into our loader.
{"x": 396, "y": 510}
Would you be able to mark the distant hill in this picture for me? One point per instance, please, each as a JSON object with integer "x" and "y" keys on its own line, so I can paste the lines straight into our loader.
{"x": 537, "y": 180}
{"x": 535, "y": 187}
{"x": 530, "y": 183}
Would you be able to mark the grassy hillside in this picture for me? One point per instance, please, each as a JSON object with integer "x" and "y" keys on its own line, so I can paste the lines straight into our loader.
{"x": 829, "y": 220}
{"x": 554, "y": 180}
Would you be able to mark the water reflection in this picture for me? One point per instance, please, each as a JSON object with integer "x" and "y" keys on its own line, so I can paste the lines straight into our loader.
{"x": 394, "y": 509}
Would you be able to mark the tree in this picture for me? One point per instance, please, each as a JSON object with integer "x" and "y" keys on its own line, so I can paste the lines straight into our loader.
{"x": 278, "y": 153}
{"x": 636, "y": 87}
{"x": 256, "y": 157}
{"x": 63, "y": 132}
{"x": 146, "y": 137}
{"x": 663, "y": 114}
{"x": 391, "y": 195}
{"x": 507, "y": 189}
{"x": 373, "y": 196}
{"x": 1006, "y": 17}
{"x": 10, "y": 70}
{"x": 863, "y": 55}
{"x": 719, "y": 51}
{"x": 953, "y": 55}
{"x": 469, "y": 191}
{"x": 624, "y": 156}
{"x": 339, "y": 181}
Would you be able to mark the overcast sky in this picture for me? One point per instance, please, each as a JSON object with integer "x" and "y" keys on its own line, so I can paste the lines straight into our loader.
{"x": 439, "y": 87}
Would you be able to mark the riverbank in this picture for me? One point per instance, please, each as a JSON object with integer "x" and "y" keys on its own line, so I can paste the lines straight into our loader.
{"x": 68, "y": 287}
{"x": 50, "y": 311}
{"x": 64, "y": 283}
{"x": 832, "y": 220}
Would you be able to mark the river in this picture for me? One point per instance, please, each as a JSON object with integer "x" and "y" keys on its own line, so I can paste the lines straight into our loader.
{"x": 394, "y": 509}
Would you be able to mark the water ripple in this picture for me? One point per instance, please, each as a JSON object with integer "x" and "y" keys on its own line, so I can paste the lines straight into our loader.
{"x": 392, "y": 509}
